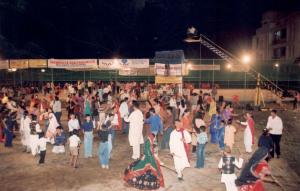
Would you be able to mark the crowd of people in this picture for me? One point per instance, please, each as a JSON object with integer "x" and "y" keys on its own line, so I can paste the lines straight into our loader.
{"x": 182, "y": 122}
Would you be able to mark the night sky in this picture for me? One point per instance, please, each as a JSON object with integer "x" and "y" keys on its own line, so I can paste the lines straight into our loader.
{"x": 127, "y": 28}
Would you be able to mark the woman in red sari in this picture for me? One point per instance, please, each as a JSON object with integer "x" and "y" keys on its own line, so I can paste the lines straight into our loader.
{"x": 252, "y": 175}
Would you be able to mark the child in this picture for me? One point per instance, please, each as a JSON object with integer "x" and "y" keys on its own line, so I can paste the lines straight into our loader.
{"x": 103, "y": 153}
{"x": 227, "y": 165}
{"x": 60, "y": 139}
{"x": 87, "y": 128}
{"x": 35, "y": 130}
{"x": 74, "y": 142}
{"x": 201, "y": 140}
{"x": 42, "y": 143}
{"x": 229, "y": 134}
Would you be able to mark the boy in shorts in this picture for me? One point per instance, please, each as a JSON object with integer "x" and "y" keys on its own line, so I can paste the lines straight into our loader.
{"x": 74, "y": 143}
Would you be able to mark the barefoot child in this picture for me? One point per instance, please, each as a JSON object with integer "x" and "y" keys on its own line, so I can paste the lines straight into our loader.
{"x": 227, "y": 165}
{"x": 42, "y": 143}
{"x": 74, "y": 142}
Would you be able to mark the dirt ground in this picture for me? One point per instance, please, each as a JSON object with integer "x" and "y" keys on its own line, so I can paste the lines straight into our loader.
{"x": 20, "y": 172}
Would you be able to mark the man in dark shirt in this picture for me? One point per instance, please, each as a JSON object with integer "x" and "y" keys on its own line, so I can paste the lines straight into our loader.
{"x": 265, "y": 140}
{"x": 87, "y": 128}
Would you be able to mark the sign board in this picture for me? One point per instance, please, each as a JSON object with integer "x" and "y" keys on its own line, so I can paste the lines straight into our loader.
{"x": 137, "y": 72}
{"x": 18, "y": 64}
{"x": 170, "y": 69}
{"x": 37, "y": 63}
{"x": 4, "y": 64}
{"x": 205, "y": 67}
{"x": 116, "y": 64}
{"x": 74, "y": 63}
{"x": 168, "y": 80}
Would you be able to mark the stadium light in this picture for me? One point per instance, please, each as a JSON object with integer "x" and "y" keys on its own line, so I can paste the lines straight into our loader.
{"x": 228, "y": 66}
{"x": 14, "y": 69}
{"x": 277, "y": 65}
{"x": 246, "y": 59}
{"x": 43, "y": 70}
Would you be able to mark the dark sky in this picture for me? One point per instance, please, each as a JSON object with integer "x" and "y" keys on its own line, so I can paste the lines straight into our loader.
{"x": 126, "y": 28}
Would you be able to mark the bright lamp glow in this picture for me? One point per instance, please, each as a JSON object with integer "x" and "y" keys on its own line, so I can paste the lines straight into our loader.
{"x": 43, "y": 70}
{"x": 276, "y": 65}
{"x": 246, "y": 59}
{"x": 14, "y": 69}
{"x": 228, "y": 66}
{"x": 189, "y": 66}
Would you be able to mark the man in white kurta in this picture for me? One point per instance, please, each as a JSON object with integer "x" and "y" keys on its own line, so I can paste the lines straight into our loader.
{"x": 52, "y": 127}
{"x": 135, "y": 136}
{"x": 25, "y": 131}
{"x": 177, "y": 148}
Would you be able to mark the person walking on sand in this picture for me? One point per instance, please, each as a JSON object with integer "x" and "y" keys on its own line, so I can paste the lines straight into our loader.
{"x": 136, "y": 124}
{"x": 179, "y": 148}
{"x": 275, "y": 127}
{"x": 249, "y": 132}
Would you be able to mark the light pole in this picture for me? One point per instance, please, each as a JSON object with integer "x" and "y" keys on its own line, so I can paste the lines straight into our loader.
{"x": 246, "y": 61}
{"x": 277, "y": 71}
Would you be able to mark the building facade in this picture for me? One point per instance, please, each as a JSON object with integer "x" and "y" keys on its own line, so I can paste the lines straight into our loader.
{"x": 278, "y": 37}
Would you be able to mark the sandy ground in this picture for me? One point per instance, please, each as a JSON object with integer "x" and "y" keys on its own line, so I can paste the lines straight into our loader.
{"x": 20, "y": 172}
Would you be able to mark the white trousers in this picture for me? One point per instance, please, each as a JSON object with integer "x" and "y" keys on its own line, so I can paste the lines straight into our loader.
{"x": 136, "y": 152}
{"x": 230, "y": 185}
{"x": 58, "y": 149}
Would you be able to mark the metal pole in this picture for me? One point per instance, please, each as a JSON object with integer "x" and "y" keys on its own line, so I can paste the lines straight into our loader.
{"x": 213, "y": 79}
{"x": 52, "y": 75}
{"x": 245, "y": 82}
{"x": 84, "y": 76}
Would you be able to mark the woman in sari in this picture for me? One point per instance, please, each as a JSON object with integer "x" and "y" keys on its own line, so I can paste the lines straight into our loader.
{"x": 145, "y": 174}
{"x": 214, "y": 126}
{"x": 252, "y": 175}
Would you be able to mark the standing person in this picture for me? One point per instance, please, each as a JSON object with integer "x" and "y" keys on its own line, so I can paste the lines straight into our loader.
{"x": 201, "y": 140}
{"x": 74, "y": 143}
{"x": 87, "y": 128}
{"x": 229, "y": 134}
{"x": 53, "y": 123}
{"x": 168, "y": 128}
{"x": 275, "y": 126}
{"x": 182, "y": 108}
{"x": 42, "y": 144}
{"x": 103, "y": 152}
{"x": 179, "y": 148}
{"x": 145, "y": 174}
{"x": 221, "y": 135}
{"x": 135, "y": 136}
{"x": 155, "y": 122}
{"x": 124, "y": 111}
{"x": 212, "y": 107}
{"x": 227, "y": 165}
{"x": 25, "y": 131}
{"x": 35, "y": 130}
{"x": 73, "y": 123}
{"x": 8, "y": 130}
{"x": 249, "y": 132}
{"x": 56, "y": 107}
{"x": 87, "y": 106}
{"x": 214, "y": 126}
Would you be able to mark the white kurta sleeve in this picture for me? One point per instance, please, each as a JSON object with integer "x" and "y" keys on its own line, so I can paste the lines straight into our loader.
{"x": 172, "y": 143}
{"x": 220, "y": 163}
{"x": 239, "y": 162}
{"x": 244, "y": 123}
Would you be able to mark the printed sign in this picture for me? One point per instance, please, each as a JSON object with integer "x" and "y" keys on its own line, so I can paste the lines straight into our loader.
{"x": 18, "y": 64}
{"x": 4, "y": 64}
{"x": 37, "y": 63}
{"x": 205, "y": 67}
{"x": 116, "y": 64}
{"x": 78, "y": 63}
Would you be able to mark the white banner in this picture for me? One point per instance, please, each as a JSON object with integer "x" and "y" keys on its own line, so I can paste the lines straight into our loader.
{"x": 76, "y": 63}
{"x": 4, "y": 64}
{"x": 160, "y": 69}
{"x": 169, "y": 69}
{"x": 176, "y": 69}
{"x": 116, "y": 64}
{"x": 205, "y": 67}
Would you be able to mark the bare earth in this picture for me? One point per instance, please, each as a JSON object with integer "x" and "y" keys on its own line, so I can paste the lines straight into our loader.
{"x": 20, "y": 172}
